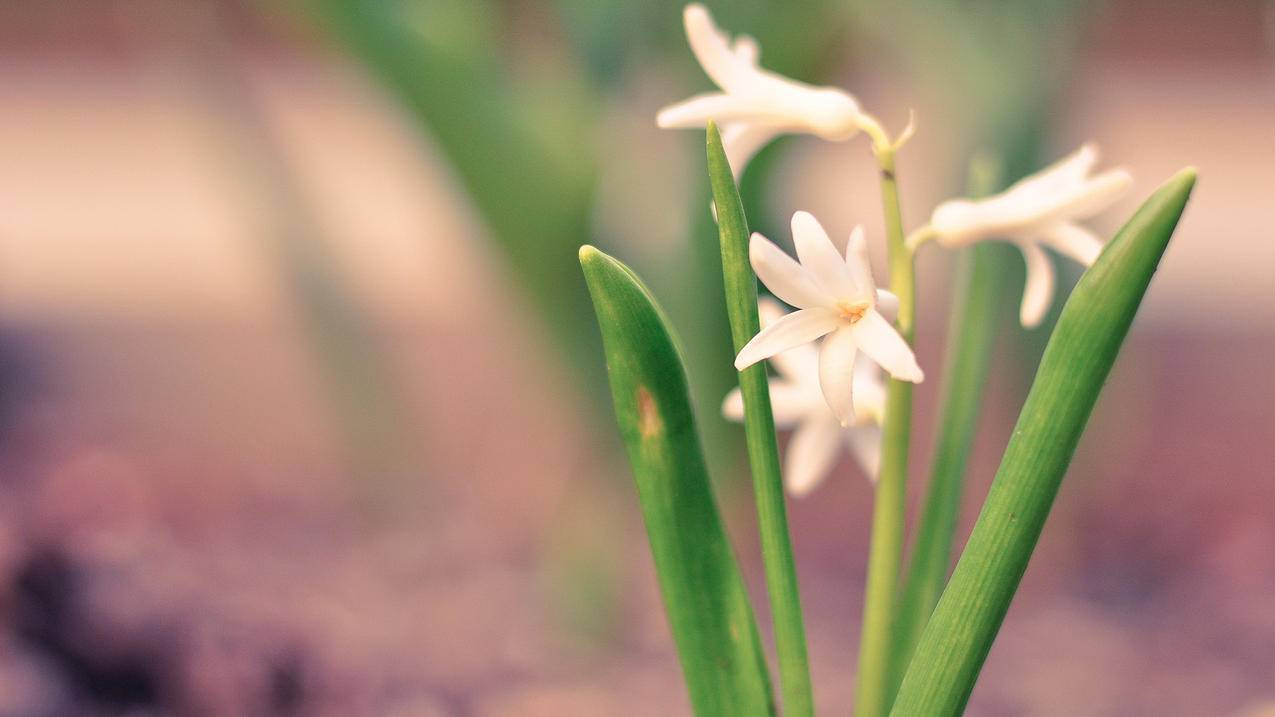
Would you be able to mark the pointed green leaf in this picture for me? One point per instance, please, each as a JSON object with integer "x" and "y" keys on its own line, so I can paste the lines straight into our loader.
{"x": 704, "y": 595}
{"x": 759, "y": 428}
{"x": 1077, "y": 360}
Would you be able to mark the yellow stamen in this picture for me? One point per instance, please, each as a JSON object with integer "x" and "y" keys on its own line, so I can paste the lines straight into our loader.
{"x": 853, "y": 311}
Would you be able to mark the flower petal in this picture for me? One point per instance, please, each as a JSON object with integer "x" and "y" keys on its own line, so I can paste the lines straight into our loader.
{"x": 821, "y": 259}
{"x": 788, "y": 404}
{"x": 725, "y": 65}
{"x": 784, "y": 277}
{"x": 1038, "y": 291}
{"x": 733, "y": 405}
{"x": 857, "y": 261}
{"x": 879, "y": 340}
{"x": 1075, "y": 241}
{"x": 719, "y": 107}
{"x": 836, "y": 373}
{"x": 1088, "y": 198}
{"x": 768, "y": 310}
{"x": 799, "y": 364}
{"x": 747, "y": 49}
{"x": 887, "y": 303}
{"x": 958, "y": 222}
{"x": 742, "y": 140}
{"x": 864, "y": 443}
{"x": 869, "y": 393}
{"x": 811, "y": 453}
{"x": 1069, "y": 171}
{"x": 792, "y": 330}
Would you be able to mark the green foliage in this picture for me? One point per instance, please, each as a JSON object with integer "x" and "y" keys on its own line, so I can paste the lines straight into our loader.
{"x": 1079, "y": 356}
{"x": 971, "y": 334}
{"x": 759, "y": 429}
{"x": 704, "y": 595}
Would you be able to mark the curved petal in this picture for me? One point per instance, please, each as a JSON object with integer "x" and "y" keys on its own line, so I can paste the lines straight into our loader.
{"x": 725, "y": 65}
{"x": 788, "y": 404}
{"x": 768, "y": 310}
{"x": 811, "y": 453}
{"x": 1066, "y": 172}
{"x": 719, "y": 107}
{"x": 743, "y": 140}
{"x": 733, "y": 405}
{"x": 869, "y": 394}
{"x": 958, "y": 222}
{"x": 1038, "y": 291}
{"x": 1074, "y": 241}
{"x": 880, "y": 341}
{"x": 858, "y": 263}
{"x": 1088, "y": 198}
{"x": 784, "y": 277}
{"x": 836, "y": 373}
{"x": 799, "y": 364}
{"x": 887, "y": 303}
{"x": 820, "y": 258}
{"x": 864, "y": 443}
{"x": 792, "y": 330}
{"x": 747, "y": 49}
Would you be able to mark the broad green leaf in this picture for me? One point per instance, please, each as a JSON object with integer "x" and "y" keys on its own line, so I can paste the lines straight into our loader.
{"x": 759, "y": 429}
{"x": 704, "y": 595}
{"x": 1079, "y": 356}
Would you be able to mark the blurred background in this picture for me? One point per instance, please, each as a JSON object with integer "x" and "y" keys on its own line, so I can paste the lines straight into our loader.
{"x": 302, "y": 405}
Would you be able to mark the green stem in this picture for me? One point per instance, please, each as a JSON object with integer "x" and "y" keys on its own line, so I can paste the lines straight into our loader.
{"x": 759, "y": 429}
{"x": 872, "y": 693}
{"x": 971, "y": 334}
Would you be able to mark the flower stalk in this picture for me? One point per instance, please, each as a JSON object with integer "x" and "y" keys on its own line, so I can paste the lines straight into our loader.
{"x": 971, "y": 334}
{"x": 763, "y": 451}
{"x": 872, "y": 691}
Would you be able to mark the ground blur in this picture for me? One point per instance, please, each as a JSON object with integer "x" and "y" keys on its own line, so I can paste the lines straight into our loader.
{"x": 188, "y": 527}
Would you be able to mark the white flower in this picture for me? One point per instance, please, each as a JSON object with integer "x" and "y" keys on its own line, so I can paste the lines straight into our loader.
{"x": 755, "y": 105}
{"x": 798, "y": 403}
{"x": 836, "y": 298}
{"x": 1039, "y": 210}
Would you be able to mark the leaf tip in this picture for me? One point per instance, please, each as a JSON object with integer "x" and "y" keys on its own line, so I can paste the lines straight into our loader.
{"x": 588, "y": 253}
{"x": 1186, "y": 177}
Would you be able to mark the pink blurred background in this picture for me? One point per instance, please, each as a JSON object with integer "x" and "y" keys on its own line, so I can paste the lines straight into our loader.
{"x": 205, "y": 509}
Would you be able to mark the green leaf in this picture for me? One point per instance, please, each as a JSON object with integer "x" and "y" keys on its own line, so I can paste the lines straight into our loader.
{"x": 976, "y": 308}
{"x": 704, "y": 595}
{"x": 1077, "y": 360}
{"x": 759, "y": 429}
{"x": 531, "y": 181}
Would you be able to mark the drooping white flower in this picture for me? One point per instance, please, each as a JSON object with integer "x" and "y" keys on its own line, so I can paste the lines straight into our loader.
{"x": 798, "y": 403}
{"x": 755, "y": 105}
{"x": 1040, "y": 210}
{"x": 836, "y": 297}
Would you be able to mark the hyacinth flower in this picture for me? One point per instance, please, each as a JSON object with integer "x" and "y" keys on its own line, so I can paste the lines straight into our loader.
{"x": 798, "y": 404}
{"x": 1040, "y": 210}
{"x": 836, "y": 298}
{"x": 755, "y": 105}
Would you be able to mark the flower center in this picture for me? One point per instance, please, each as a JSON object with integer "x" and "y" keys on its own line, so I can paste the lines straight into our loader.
{"x": 852, "y": 311}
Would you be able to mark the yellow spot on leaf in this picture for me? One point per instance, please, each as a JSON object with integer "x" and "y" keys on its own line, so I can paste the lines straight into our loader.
{"x": 649, "y": 423}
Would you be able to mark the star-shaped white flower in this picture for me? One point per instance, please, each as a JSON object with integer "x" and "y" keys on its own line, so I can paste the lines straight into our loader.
{"x": 798, "y": 403}
{"x": 1040, "y": 210}
{"x": 836, "y": 298}
{"x": 755, "y": 105}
